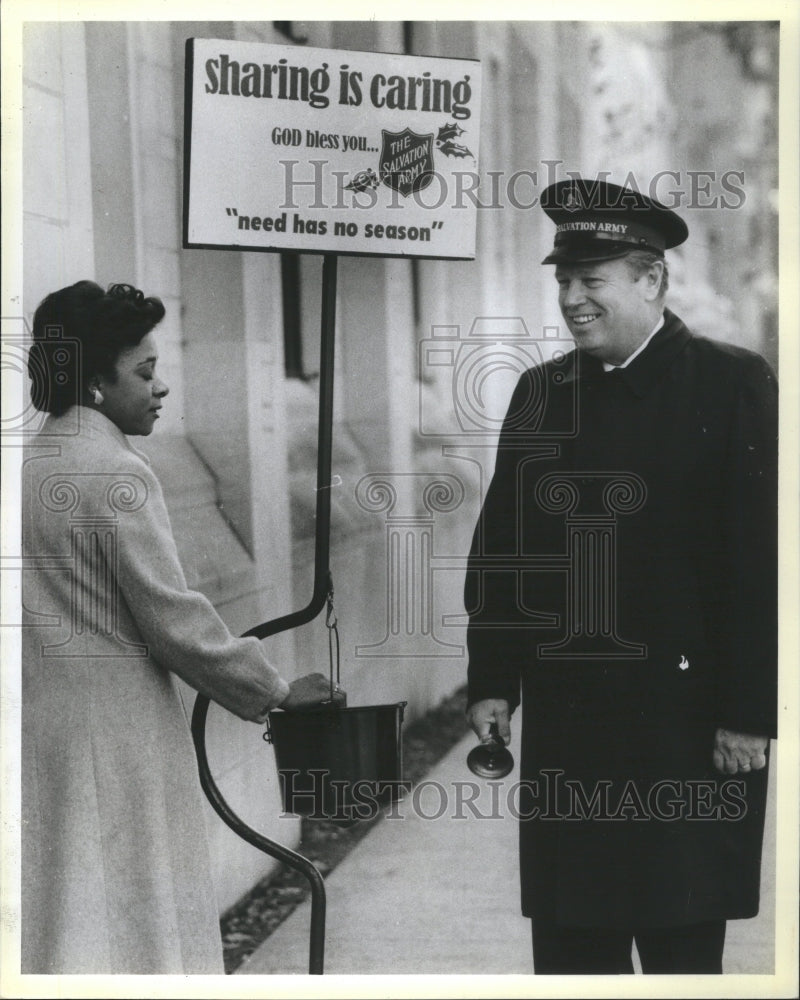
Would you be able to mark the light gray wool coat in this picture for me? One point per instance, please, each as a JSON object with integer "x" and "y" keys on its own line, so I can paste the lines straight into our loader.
{"x": 116, "y": 874}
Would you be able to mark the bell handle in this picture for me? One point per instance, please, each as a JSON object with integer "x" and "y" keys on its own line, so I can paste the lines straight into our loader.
{"x": 493, "y": 736}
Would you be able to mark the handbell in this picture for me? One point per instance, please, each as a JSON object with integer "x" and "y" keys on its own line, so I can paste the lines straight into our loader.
{"x": 491, "y": 758}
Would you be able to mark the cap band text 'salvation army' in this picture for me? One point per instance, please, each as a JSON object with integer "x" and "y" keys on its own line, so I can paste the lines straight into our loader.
{"x": 621, "y": 232}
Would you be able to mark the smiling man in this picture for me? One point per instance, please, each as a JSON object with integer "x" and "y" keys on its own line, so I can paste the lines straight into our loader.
{"x": 607, "y": 304}
{"x": 622, "y": 587}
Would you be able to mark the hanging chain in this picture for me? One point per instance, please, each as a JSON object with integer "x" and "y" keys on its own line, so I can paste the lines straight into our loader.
{"x": 332, "y": 624}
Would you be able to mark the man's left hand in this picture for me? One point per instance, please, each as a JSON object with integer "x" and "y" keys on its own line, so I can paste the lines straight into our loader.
{"x": 738, "y": 753}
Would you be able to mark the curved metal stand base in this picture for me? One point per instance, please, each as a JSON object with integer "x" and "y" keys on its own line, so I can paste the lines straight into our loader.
{"x": 277, "y": 851}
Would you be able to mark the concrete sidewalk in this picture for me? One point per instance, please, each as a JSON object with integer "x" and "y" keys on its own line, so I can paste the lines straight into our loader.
{"x": 441, "y": 896}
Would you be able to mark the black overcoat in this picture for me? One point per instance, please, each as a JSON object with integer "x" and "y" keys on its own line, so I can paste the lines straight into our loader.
{"x": 623, "y": 583}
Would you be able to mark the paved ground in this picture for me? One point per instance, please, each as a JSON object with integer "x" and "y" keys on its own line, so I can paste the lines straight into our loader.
{"x": 439, "y": 896}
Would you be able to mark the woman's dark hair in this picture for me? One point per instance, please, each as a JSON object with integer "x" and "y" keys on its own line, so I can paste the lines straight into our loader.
{"x": 79, "y": 332}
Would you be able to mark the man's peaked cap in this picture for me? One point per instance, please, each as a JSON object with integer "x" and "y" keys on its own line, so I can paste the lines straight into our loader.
{"x": 596, "y": 220}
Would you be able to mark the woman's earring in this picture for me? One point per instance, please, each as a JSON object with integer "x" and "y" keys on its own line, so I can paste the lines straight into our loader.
{"x": 97, "y": 396}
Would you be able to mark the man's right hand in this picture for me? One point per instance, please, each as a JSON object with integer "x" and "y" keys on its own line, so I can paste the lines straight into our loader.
{"x": 483, "y": 713}
{"x": 311, "y": 691}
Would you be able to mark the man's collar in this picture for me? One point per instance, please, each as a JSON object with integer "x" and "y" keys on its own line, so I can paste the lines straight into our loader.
{"x": 607, "y": 367}
{"x": 646, "y": 368}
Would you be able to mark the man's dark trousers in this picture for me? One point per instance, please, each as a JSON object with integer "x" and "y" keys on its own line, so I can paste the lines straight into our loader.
{"x": 692, "y": 949}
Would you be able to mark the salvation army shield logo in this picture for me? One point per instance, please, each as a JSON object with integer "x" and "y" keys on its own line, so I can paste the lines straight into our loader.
{"x": 406, "y": 161}
{"x": 572, "y": 200}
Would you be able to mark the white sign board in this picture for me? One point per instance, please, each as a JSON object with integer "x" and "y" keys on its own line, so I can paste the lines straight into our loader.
{"x": 325, "y": 150}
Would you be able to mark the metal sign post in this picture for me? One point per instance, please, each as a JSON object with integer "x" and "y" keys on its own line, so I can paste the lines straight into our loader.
{"x": 321, "y": 587}
{"x": 336, "y": 152}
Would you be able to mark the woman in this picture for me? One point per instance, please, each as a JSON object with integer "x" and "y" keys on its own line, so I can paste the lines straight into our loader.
{"x": 116, "y": 871}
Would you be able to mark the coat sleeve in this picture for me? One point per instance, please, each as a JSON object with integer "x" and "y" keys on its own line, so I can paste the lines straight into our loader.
{"x": 180, "y": 626}
{"x": 748, "y": 679}
{"x": 495, "y": 646}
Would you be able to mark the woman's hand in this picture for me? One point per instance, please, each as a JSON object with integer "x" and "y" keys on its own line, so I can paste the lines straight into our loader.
{"x": 311, "y": 691}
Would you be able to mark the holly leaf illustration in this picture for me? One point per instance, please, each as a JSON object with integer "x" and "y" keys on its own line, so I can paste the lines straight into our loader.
{"x": 449, "y": 131}
{"x": 450, "y": 148}
{"x": 362, "y": 181}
